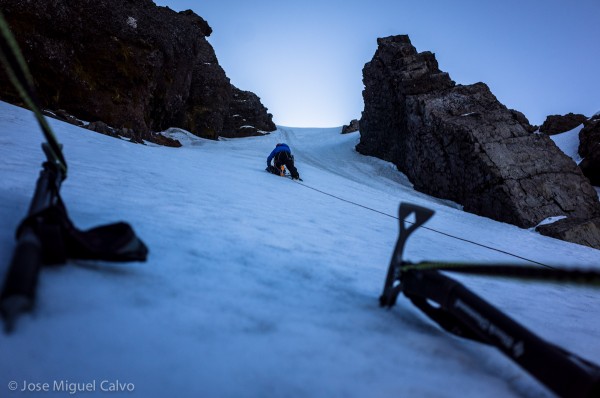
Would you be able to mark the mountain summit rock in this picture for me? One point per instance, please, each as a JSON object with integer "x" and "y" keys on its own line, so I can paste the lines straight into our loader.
{"x": 130, "y": 64}
{"x": 459, "y": 142}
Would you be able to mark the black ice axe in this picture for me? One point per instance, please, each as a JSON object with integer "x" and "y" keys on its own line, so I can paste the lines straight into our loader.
{"x": 461, "y": 312}
{"x": 47, "y": 236}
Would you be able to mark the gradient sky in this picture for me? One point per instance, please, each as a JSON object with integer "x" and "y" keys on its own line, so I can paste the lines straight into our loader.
{"x": 305, "y": 58}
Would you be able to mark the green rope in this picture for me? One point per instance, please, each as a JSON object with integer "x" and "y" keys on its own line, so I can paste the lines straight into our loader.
{"x": 21, "y": 78}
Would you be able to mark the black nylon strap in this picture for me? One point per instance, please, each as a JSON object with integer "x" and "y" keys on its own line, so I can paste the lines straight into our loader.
{"x": 61, "y": 240}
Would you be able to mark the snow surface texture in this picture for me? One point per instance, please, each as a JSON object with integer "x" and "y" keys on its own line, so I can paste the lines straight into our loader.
{"x": 258, "y": 286}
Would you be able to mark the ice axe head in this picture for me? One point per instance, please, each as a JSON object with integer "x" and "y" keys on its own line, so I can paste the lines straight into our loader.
{"x": 393, "y": 281}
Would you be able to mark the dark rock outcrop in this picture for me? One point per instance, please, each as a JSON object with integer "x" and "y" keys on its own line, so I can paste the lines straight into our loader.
{"x": 247, "y": 116}
{"x": 129, "y": 63}
{"x": 589, "y": 149}
{"x": 131, "y": 135}
{"x": 585, "y": 232}
{"x": 64, "y": 116}
{"x": 556, "y": 124}
{"x": 352, "y": 127}
{"x": 102, "y": 128}
{"x": 460, "y": 143}
{"x": 159, "y": 138}
{"x": 520, "y": 117}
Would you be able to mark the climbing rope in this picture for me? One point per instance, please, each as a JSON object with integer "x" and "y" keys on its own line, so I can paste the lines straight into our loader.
{"x": 428, "y": 228}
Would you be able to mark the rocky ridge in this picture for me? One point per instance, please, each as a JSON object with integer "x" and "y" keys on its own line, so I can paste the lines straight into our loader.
{"x": 130, "y": 64}
{"x": 459, "y": 142}
{"x": 556, "y": 124}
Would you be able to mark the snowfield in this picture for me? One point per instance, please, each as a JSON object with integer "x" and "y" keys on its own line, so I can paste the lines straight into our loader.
{"x": 568, "y": 142}
{"x": 259, "y": 286}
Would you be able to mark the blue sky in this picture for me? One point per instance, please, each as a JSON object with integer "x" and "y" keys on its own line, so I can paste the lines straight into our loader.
{"x": 305, "y": 59}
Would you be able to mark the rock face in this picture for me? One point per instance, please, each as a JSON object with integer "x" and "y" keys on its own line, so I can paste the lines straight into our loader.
{"x": 352, "y": 127}
{"x": 247, "y": 116}
{"x": 556, "y": 124}
{"x": 589, "y": 149}
{"x": 460, "y": 143}
{"x": 129, "y": 64}
{"x": 584, "y": 232}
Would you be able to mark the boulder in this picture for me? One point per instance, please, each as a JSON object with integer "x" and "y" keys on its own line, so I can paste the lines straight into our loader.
{"x": 459, "y": 142}
{"x": 130, "y": 64}
{"x": 163, "y": 140}
{"x": 584, "y": 232}
{"x": 128, "y": 134}
{"x": 246, "y": 116}
{"x": 102, "y": 128}
{"x": 64, "y": 116}
{"x": 556, "y": 124}
{"x": 352, "y": 127}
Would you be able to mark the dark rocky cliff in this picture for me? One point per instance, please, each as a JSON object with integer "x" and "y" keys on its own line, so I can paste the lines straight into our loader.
{"x": 351, "y": 128}
{"x": 246, "y": 116}
{"x": 556, "y": 124}
{"x": 130, "y": 64}
{"x": 460, "y": 143}
{"x": 589, "y": 149}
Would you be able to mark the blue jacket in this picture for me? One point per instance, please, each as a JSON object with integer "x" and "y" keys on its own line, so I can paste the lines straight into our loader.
{"x": 278, "y": 148}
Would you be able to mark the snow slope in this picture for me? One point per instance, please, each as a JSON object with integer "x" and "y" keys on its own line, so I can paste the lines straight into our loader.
{"x": 568, "y": 142}
{"x": 257, "y": 286}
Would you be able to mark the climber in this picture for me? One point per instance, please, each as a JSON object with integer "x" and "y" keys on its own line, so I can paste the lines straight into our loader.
{"x": 282, "y": 156}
